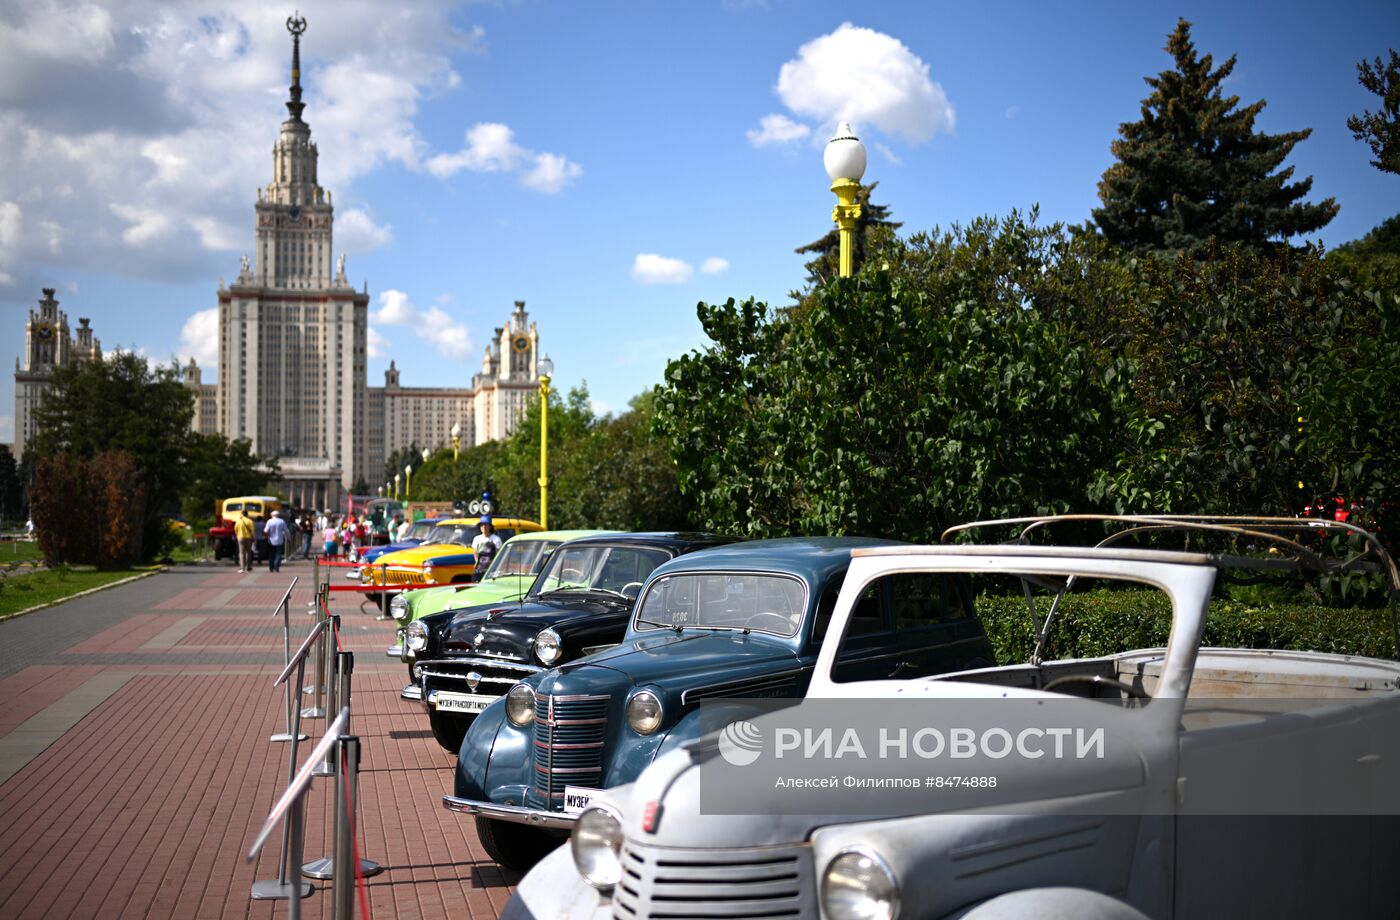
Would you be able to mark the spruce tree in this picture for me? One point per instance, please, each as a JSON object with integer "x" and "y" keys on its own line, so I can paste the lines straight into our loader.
{"x": 828, "y": 249}
{"x": 1193, "y": 168}
{"x": 1381, "y": 129}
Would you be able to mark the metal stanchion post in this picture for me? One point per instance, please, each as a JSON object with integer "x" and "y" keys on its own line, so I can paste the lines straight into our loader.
{"x": 289, "y": 857}
{"x": 316, "y": 583}
{"x": 346, "y": 788}
{"x": 384, "y": 595}
{"x": 335, "y": 683}
{"x": 317, "y": 709}
{"x": 293, "y": 694}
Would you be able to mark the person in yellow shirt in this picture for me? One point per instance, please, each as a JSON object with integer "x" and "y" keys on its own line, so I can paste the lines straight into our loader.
{"x": 243, "y": 531}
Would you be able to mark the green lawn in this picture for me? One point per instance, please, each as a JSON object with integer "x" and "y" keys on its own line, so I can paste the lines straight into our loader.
{"x": 19, "y": 551}
{"x": 20, "y": 592}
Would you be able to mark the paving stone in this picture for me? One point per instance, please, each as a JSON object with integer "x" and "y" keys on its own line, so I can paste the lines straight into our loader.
{"x": 134, "y": 726}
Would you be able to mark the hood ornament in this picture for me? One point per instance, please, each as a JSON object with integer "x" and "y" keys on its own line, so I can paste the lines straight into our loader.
{"x": 473, "y": 680}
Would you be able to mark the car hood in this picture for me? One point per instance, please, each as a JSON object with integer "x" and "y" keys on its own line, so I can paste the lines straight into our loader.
{"x": 676, "y": 661}
{"x": 511, "y": 628}
{"x": 417, "y": 555}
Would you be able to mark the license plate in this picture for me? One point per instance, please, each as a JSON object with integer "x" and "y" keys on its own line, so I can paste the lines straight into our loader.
{"x": 576, "y": 798}
{"x": 446, "y": 701}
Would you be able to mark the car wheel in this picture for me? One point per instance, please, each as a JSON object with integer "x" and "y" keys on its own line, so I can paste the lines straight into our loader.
{"x": 515, "y": 846}
{"x": 448, "y": 730}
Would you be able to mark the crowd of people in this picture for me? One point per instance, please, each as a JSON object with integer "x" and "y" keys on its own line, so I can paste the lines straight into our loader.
{"x": 273, "y": 539}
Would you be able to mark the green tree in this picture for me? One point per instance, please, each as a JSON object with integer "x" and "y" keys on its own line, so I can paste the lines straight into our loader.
{"x": 1374, "y": 260}
{"x": 924, "y": 392}
{"x": 217, "y": 468}
{"x": 122, "y": 403}
{"x": 11, "y": 487}
{"x": 411, "y": 455}
{"x": 1193, "y": 168}
{"x": 1380, "y": 129}
{"x": 874, "y": 219}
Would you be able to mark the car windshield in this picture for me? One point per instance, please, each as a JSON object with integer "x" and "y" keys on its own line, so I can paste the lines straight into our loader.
{"x": 614, "y": 569}
{"x": 420, "y": 530}
{"x": 232, "y": 506}
{"x": 253, "y": 507}
{"x": 719, "y": 600}
{"x": 460, "y": 534}
{"x": 521, "y": 557}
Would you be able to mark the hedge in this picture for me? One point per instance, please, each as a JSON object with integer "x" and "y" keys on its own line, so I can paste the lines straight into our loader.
{"x": 1104, "y": 622}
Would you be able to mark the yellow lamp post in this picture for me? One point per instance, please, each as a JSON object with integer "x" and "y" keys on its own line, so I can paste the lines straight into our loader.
{"x": 396, "y": 485}
{"x": 546, "y": 368}
{"x": 844, "y": 159}
{"x": 456, "y": 440}
{"x": 408, "y": 482}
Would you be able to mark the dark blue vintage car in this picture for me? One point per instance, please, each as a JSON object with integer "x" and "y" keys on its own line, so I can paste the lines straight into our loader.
{"x": 741, "y": 621}
{"x": 466, "y": 659}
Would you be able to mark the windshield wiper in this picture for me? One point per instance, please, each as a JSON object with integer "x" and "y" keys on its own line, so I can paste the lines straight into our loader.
{"x": 676, "y": 626}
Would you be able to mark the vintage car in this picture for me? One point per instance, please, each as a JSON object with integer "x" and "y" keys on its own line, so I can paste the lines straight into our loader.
{"x": 512, "y": 572}
{"x": 444, "y": 557}
{"x": 1237, "y": 782}
{"x": 467, "y": 659}
{"x": 227, "y": 509}
{"x": 740, "y": 621}
{"x": 416, "y": 535}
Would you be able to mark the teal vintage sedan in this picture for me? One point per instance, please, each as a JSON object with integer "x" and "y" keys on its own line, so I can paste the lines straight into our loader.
{"x": 738, "y": 621}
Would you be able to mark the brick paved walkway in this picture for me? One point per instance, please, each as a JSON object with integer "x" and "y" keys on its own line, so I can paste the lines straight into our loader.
{"x": 135, "y": 767}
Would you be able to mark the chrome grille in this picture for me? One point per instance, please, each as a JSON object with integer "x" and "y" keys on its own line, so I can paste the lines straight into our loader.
{"x": 568, "y": 745}
{"x": 768, "y": 882}
{"x": 400, "y": 577}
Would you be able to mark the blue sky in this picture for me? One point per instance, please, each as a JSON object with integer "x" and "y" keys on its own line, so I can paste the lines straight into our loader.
{"x": 609, "y": 163}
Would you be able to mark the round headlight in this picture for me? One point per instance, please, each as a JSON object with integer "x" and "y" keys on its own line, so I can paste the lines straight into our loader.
{"x": 399, "y": 606}
{"x": 428, "y": 572}
{"x": 415, "y": 636}
{"x": 548, "y": 646}
{"x": 520, "y": 705}
{"x": 596, "y": 843}
{"x": 858, "y": 885}
{"x": 644, "y": 712}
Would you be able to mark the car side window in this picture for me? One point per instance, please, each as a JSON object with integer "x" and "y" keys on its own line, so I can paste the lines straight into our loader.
{"x": 920, "y": 599}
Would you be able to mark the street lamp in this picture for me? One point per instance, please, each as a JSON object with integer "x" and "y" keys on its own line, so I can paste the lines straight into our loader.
{"x": 407, "y": 482}
{"x": 396, "y": 485}
{"x": 546, "y": 367}
{"x": 456, "y": 440}
{"x": 844, "y": 159}
{"x": 380, "y": 490}
{"x": 426, "y": 454}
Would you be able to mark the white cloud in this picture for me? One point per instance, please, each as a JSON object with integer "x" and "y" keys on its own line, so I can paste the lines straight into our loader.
{"x": 867, "y": 78}
{"x": 714, "y": 265}
{"x": 434, "y": 325}
{"x": 777, "y": 129}
{"x": 650, "y": 268}
{"x": 136, "y": 132}
{"x": 888, "y": 154}
{"x": 6, "y": 279}
{"x": 357, "y": 233}
{"x": 199, "y": 338}
{"x": 376, "y": 346}
{"x": 599, "y": 408}
{"x": 551, "y": 173}
{"x": 491, "y": 148}
{"x": 10, "y": 223}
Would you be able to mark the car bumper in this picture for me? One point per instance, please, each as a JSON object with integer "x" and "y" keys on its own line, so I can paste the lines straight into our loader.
{"x": 515, "y": 814}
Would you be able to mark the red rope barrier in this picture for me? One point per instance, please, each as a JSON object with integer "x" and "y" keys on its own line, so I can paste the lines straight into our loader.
{"x": 360, "y": 885}
{"x": 382, "y": 588}
{"x": 342, "y": 565}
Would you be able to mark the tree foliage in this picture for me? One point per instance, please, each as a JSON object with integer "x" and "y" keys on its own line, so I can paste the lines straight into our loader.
{"x": 82, "y": 509}
{"x": 12, "y": 507}
{"x": 1193, "y": 168}
{"x": 604, "y": 472}
{"x": 917, "y": 395}
{"x": 1004, "y": 369}
{"x": 1380, "y": 129}
{"x": 123, "y": 404}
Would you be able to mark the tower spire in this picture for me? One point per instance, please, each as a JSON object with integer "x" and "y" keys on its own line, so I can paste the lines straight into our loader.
{"x": 296, "y": 24}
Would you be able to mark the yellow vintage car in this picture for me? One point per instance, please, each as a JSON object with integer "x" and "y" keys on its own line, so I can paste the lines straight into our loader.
{"x": 444, "y": 557}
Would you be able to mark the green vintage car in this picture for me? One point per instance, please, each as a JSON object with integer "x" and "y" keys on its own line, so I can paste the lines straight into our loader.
{"x": 509, "y": 578}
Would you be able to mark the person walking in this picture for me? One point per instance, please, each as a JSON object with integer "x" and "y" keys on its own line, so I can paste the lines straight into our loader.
{"x": 328, "y": 540}
{"x": 304, "y": 527}
{"x": 243, "y": 533}
{"x": 278, "y": 533}
{"x": 260, "y": 553}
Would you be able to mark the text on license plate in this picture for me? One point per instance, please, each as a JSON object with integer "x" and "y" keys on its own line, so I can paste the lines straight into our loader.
{"x": 576, "y": 798}
{"x": 462, "y": 702}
